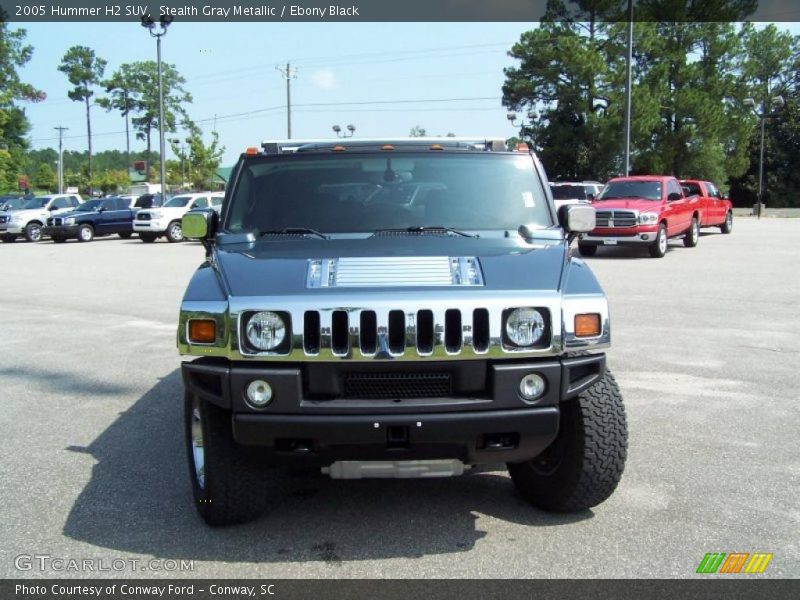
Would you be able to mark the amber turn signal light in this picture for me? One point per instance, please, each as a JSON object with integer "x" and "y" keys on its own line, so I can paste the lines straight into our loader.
{"x": 202, "y": 331}
{"x": 587, "y": 325}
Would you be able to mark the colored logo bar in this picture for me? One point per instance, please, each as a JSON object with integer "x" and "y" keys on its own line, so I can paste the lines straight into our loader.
{"x": 735, "y": 562}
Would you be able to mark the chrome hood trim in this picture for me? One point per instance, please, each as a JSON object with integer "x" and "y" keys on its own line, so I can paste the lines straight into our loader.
{"x": 394, "y": 271}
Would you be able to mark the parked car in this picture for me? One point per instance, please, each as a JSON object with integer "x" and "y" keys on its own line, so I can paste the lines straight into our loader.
{"x": 395, "y": 339}
{"x": 93, "y": 218}
{"x": 152, "y": 224}
{"x": 29, "y": 220}
{"x": 148, "y": 201}
{"x": 644, "y": 210}
{"x": 130, "y": 198}
{"x": 583, "y": 192}
{"x": 715, "y": 209}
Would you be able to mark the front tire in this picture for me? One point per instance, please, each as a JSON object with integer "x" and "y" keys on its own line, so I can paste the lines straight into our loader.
{"x": 693, "y": 235}
{"x": 228, "y": 483}
{"x": 587, "y": 249}
{"x": 659, "y": 248}
{"x": 85, "y": 233}
{"x": 583, "y": 466}
{"x": 175, "y": 232}
{"x": 147, "y": 238}
{"x": 9, "y": 239}
{"x": 727, "y": 225}
{"x": 33, "y": 232}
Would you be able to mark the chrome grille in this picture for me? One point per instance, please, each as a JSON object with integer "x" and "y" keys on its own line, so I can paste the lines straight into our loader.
{"x": 616, "y": 218}
{"x": 3, "y": 219}
{"x": 394, "y": 333}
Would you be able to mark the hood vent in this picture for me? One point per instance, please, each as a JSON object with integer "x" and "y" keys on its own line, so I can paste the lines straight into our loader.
{"x": 391, "y": 271}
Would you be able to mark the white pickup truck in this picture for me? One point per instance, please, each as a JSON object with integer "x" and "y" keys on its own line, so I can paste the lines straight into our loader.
{"x": 152, "y": 223}
{"x": 29, "y": 220}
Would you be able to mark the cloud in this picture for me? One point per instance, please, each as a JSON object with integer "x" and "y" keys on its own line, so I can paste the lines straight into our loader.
{"x": 324, "y": 79}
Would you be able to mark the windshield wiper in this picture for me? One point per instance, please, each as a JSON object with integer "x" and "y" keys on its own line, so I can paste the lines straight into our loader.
{"x": 297, "y": 230}
{"x": 427, "y": 229}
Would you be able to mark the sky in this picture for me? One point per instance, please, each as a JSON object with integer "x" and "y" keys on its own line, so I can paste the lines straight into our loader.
{"x": 384, "y": 78}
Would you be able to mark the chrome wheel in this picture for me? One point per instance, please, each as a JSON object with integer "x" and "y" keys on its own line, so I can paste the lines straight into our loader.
{"x": 86, "y": 234}
{"x": 662, "y": 241}
{"x": 695, "y": 233}
{"x": 33, "y": 232}
{"x": 175, "y": 233}
{"x": 198, "y": 450}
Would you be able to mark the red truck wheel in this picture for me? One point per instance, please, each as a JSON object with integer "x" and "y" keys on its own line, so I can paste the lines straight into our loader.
{"x": 659, "y": 248}
{"x": 693, "y": 235}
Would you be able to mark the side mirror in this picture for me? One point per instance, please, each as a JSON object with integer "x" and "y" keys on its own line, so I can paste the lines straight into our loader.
{"x": 577, "y": 218}
{"x": 200, "y": 224}
{"x": 674, "y": 196}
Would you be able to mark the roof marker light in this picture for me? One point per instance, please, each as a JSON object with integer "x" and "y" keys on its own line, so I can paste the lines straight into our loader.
{"x": 436, "y": 147}
{"x": 251, "y": 151}
{"x": 387, "y": 147}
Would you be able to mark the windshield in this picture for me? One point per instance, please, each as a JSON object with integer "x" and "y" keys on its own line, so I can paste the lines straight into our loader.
{"x": 14, "y": 203}
{"x": 647, "y": 190}
{"x": 38, "y": 202}
{"x": 362, "y": 193}
{"x": 178, "y": 202}
{"x": 568, "y": 192}
{"x": 90, "y": 205}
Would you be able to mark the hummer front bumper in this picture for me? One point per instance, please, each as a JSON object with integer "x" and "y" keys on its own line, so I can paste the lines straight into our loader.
{"x": 314, "y": 420}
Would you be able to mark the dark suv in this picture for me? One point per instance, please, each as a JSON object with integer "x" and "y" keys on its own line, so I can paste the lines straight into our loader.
{"x": 93, "y": 218}
{"x": 396, "y": 308}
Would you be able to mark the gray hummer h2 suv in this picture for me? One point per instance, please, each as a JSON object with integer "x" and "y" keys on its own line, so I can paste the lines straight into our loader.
{"x": 395, "y": 308}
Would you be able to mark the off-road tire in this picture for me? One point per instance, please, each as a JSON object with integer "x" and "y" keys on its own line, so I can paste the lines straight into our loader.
{"x": 9, "y": 239}
{"x": 148, "y": 238}
{"x": 583, "y": 466}
{"x": 727, "y": 224}
{"x": 234, "y": 490}
{"x": 693, "y": 235}
{"x": 174, "y": 232}
{"x": 33, "y": 232}
{"x": 587, "y": 249}
{"x": 85, "y": 233}
{"x": 659, "y": 248}
{"x": 126, "y": 235}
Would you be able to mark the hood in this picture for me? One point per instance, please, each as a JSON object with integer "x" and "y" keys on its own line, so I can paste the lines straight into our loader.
{"x": 274, "y": 268}
{"x": 29, "y": 213}
{"x": 75, "y": 213}
{"x": 640, "y": 204}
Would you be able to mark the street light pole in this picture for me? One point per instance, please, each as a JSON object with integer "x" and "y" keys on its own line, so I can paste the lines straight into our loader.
{"x": 776, "y": 101}
{"x": 628, "y": 82}
{"x": 61, "y": 131}
{"x": 150, "y": 25}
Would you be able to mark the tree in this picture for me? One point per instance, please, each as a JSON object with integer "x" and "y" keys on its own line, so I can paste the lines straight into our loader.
{"x": 417, "y": 131}
{"x": 113, "y": 181}
{"x": 45, "y": 178}
{"x": 14, "y": 126}
{"x": 84, "y": 71}
{"x": 202, "y": 161}
{"x": 144, "y": 85}
{"x": 123, "y": 97}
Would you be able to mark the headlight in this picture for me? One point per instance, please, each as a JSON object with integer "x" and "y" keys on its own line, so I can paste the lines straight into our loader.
{"x": 648, "y": 218}
{"x": 68, "y": 221}
{"x": 156, "y": 214}
{"x": 266, "y": 330}
{"x": 524, "y": 326}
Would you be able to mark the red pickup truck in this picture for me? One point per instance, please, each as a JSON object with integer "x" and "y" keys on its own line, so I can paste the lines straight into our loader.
{"x": 715, "y": 209}
{"x": 643, "y": 210}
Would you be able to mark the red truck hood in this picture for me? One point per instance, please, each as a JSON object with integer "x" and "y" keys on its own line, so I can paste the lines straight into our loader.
{"x": 639, "y": 204}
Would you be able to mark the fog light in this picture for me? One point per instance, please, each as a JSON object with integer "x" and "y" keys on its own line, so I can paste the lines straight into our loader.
{"x": 531, "y": 386}
{"x": 645, "y": 237}
{"x": 259, "y": 393}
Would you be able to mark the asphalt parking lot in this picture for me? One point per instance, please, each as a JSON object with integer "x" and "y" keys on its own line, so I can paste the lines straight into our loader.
{"x": 704, "y": 348}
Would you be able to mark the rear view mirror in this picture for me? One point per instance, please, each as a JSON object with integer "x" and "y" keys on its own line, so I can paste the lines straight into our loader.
{"x": 577, "y": 218}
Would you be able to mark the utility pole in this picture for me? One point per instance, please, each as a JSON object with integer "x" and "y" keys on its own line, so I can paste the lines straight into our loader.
{"x": 61, "y": 131}
{"x": 288, "y": 74}
{"x": 628, "y": 68}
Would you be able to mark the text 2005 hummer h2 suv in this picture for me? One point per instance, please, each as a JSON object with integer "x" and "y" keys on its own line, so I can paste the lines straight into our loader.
{"x": 395, "y": 308}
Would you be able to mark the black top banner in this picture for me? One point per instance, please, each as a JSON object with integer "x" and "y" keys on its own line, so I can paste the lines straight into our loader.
{"x": 396, "y": 11}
